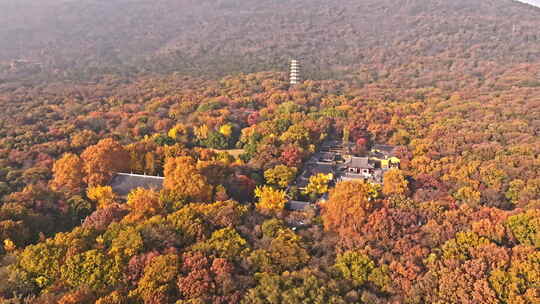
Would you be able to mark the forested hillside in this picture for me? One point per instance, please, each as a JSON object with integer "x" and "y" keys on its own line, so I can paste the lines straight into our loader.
{"x": 153, "y": 88}
{"x": 82, "y": 39}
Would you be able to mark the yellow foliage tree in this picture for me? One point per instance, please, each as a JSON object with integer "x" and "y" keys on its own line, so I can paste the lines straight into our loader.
{"x": 115, "y": 297}
{"x": 270, "y": 199}
{"x": 83, "y": 139}
{"x": 280, "y": 175}
{"x": 127, "y": 243}
{"x": 9, "y": 245}
{"x": 226, "y": 130}
{"x": 394, "y": 182}
{"x": 180, "y": 133}
{"x": 519, "y": 282}
{"x": 159, "y": 279}
{"x": 102, "y": 195}
{"x": 173, "y": 132}
{"x": 202, "y": 132}
{"x": 318, "y": 184}
{"x": 295, "y": 134}
{"x": 468, "y": 196}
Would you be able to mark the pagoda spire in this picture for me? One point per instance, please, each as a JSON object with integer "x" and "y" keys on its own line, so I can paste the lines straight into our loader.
{"x": 294, "y": 72}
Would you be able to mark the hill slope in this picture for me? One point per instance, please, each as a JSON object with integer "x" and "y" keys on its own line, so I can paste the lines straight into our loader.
{"x": 84, "y": 38}
{"x": 454, "y": 85}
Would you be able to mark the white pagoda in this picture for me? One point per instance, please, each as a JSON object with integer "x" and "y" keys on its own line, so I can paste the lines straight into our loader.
{"x": 295, "y": 72}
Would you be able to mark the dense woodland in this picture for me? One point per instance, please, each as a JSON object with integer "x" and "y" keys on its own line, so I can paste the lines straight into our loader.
{"x": 81, "y": 40}
{"x": 459, "y": 222}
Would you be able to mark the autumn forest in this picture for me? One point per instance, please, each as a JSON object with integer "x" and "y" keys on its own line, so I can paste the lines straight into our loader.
{"x": 454, "y": 86}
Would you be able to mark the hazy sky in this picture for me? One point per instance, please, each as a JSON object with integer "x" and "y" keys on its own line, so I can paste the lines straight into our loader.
{"x": 533, "y": 2}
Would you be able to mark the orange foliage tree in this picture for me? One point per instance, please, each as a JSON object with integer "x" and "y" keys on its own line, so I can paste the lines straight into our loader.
{"x": 102, "y": 160}
{"x": 68, "y": 174}
{"x": 348, "y": 205}
{"x": 143, "y": 203}
{"x": 185, "y": 181}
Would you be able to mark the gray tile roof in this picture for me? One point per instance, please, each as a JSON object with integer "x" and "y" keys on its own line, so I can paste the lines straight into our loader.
{"x": 386, "y": 149}
{"x": 302, "y": 182}
{"x": 297, "y": 205}
{"x": 312, "y": 169}
{"x": 359, "y": 162}
{"x": 123, "y": 183}
{"x": 331, "y": 144}
{"x": 327, "y": 156}
{"x": 322, "y": 168}
{"x": 351, "y": 177}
